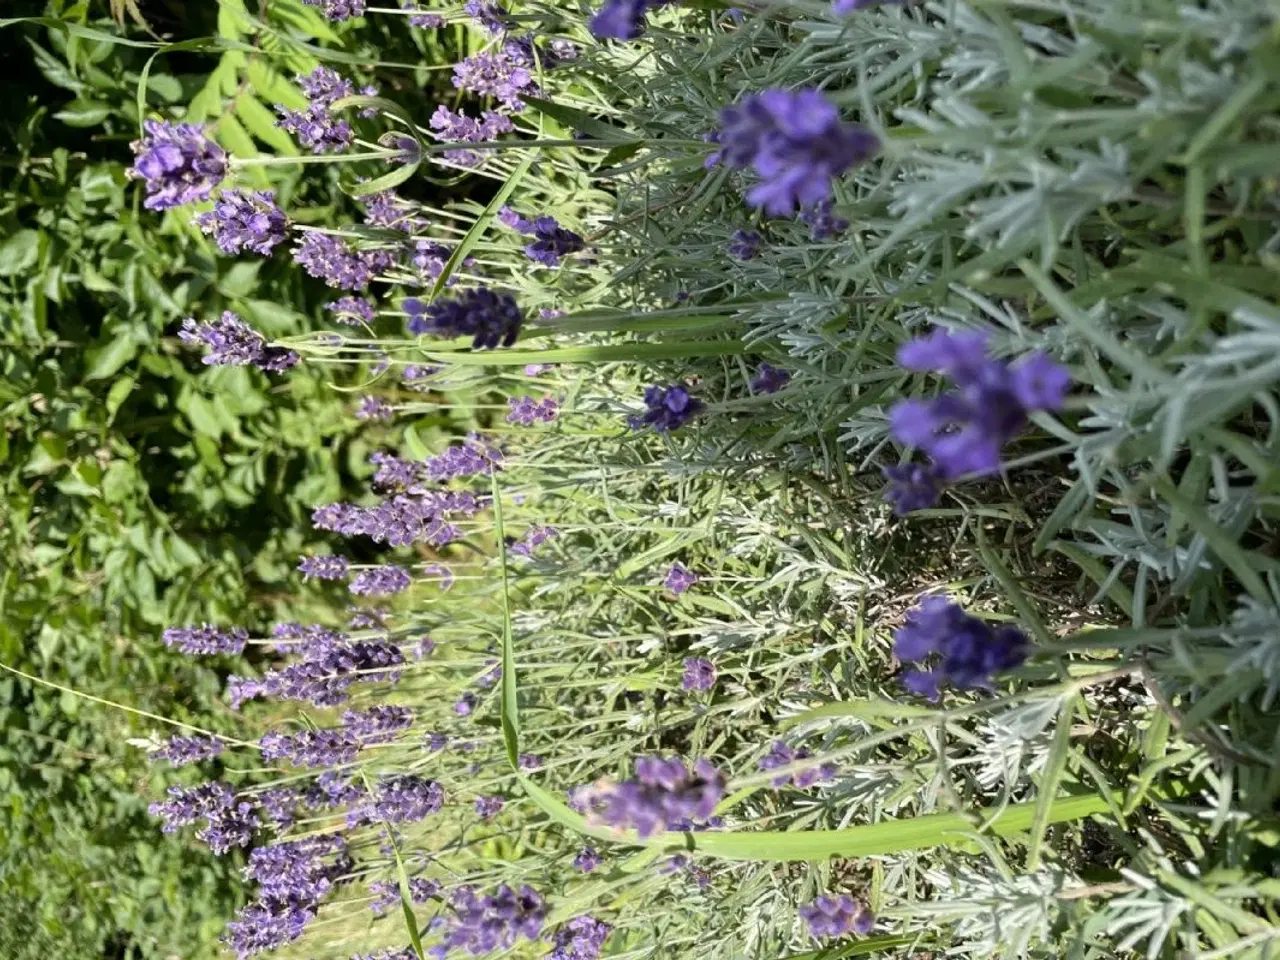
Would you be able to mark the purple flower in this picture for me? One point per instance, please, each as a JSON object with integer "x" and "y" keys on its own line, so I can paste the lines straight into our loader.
{"x": 228, "y": 822}
{"x": 381, "y": 581}
{"x": 769, "y": 379}
{"x": 280, "y": 806}
{"x": 455, "y": 127}
{"x": 233, "y": 343}
{"x": 781, "y": 755}
{"x": 842, "y": 7}
{"x": 465, "y": 705}
{"x": 664, "y": 794}
{"x": 551, "y": 241}
{"x": 963, "y": 431}
{"x": 587, "y": 860}
{"x": 327, "y": 669}
{"x": 489, "y": 807}
{"x": 481, "y": 925}
{"x": 495, "y": 74}
{"x": 316, "y": 127}
{"x": 407, "y": 953}
{"x": 679, "y": 579}
{"x": 966, "y": 651}
{"x": 393, "y": 473}
{"x": 351, "y": 311}
{"x": 402, "y": 799}
{"x": 745, "y": 245}
{"x": 699, "y": 674}
{"x": 181, "y": 751}
{"x": 206, "y": 639}
{"x": 413, "y": 375}
{"x": 667, "y": 409}
{"x": 436, "y": 741}
{"x": 823, "y": 224}
{"x": 534, "y": 538}
{"x": 245, "y": 220}
{"x": 267, "y": 924}
{"x": 332, "y": 260}
{"x": 388, "y": 893}
{"x": 582, "y": 938}
{"x": 374, "y": 408}
{"x": 621, "y": 19}
{"x": 830, "y": 916}
{"x": 379, "y": 724}
{"x": 323, "y": 568}
{"x": 425, "y": 648}
{"x": 418, "y": 517}
{"x": 310, "y": 748}
{"x": 529, "y": 761}
{"x": 913, "y": 486}
{"x": 338, "y": 10}
{"x": 388, "y": 209}
{"x": 178, "y": 163}
{"x": 797, "y": 144}
{"x": 422, "y": 18}
{"x": 526, "y": 411}
{"x": 487, "y": 317}
{"x": 486, "y": 14}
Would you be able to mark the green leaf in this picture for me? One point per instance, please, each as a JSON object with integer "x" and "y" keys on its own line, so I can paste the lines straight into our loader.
{"x": 83, "y": 113}
{"x": 105, "y": 360}
{"x": 19, "y": 252}
{"x": 638, "y": 352}
{"x": 1047, "y": 791}
{"x": 260, "y": 122}
{"x": 865, "y": 947}
{"x": 510, "y": 704}
{"x": 575, "y": 119}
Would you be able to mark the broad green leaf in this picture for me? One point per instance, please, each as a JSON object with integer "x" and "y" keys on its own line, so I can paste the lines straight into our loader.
{"x": 19, "y": 252}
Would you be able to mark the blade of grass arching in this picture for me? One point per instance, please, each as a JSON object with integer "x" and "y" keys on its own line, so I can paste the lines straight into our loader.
{"x": 575, "y": 119}
{"x": 478, "y": 228}
{"x": 509, "y": 704}
{"x": 866, "y": 947}
{"x": 406, "y": 897}
{"x": 670, "y": 350}
{"x": 862, "y": 709}
{"x": 1019, "y": 599}
{"x": 1055, "y": 767}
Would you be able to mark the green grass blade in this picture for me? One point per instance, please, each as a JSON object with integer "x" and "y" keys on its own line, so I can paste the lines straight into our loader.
{"x": 611, "y": 353}
{"x": 1026, "y": 611}
{"x": 509, "y": 704}
{"x": 867, "y": 947}
{"x": 1055, "y": 767}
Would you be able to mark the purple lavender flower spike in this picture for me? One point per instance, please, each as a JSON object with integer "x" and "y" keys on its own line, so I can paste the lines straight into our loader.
{"x": 332, "y": 260}
{"x": 582, "y": 938}
{"x": 316, "y": 127}
{"x": 309, "y": 748}
{"x": 769, "y": 379}
{"x": 338, "y": 10}
{"x": 178, "y": 163}
{"x": 381, "y": 581}
{"x": 181, "y": 751}
{"x": 830, "y": 916}
{"x": 267, "y": 924}
{"x": 967, "y": 652}
{"x": 527, "y": 412}
{"x": 781, "y": 755}
{"x": 328, "y": 567}
{"x": 456, "y": 127}
{"x": 745, "y": 245}
{"x": 206, "y": 640}
{"x": 465, "y": 705}
{"x": 797, "y": 144}
{"x": 551, "y": 241}
{"x": 422, "y": 18}
{"x": 481, "y": 925}
{"x": 621, "y": 19}
{"x": 402, "y": 799}
{"x": 534, "y": 538}
{"x": 245, "y": 220}
{"x": 489, "y": 807}
{"x": 823, "y": 223}
{"x": 842, "y": 7}
{"x": 436, "y": 741}
{"x": 912, "y": 486}
{"x": 379, "y": 724}
{"x": 495, "y": 74}
{"x": 352, "y": 311}
{"x": 699, "y": 674}
{"x": 280, "y": 806}
{"x": 529, "y": 761}
{"x": 664, "y": 795}
{"x": 486, "y": 14}
{"x": 487, "y": 317}
{"x": 587, "y": 860}
{"x": 679, "y": 579}
{"x": 374, "y": 408}
{"x": 233, "y": 343}
{"x": 388, "y": 894}
{"x": 666, "y": 409}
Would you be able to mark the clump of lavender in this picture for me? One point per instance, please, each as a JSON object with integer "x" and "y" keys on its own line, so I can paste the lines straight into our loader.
{"x": 416, "y": 517}
{"x": 206, "y": 639}
{"x": 399, "y": 799}
{"x": 745, "y": 245}
{"x": 386, "y": 208}
{"x": 387, "y": 893}
{"x": 338, "y": 10}
{"x": 667, "y": 409}
{"x": 621, "y": 19}
{"x": 457, "y": 127}
{"x": 582, "y": 938}
{"x": 483, "y": 924}
{"x": 310, "y": 748}
{"x": 487, "y": 317}
{"x": 967, "y": 652}
{"x": 328, "y": 567}
{"x": 830, "y": 916}
{"x": 526, "y": 411}
{"x": 178, "y": 163}
{"x": 823, "y": 223}
{"x": 699, "y": 674}
{"x": 486, "y": 14}
{"x": 330, "y": 664}
{"x": 181, "y": 751}
{"x": 529, "y": 761}
{"x": 842, "y": 7}
{"x": 414, "y": 375}
{"x": 233, "y": 343}
{"x": 381, "y": 581}
{"x": 352, "y": 311}
{"x": 913, "y": 486}
{"x": 338, "y": 264}
{"x": 473, "y": 457}
{"x": 587, "y": 860}
{"x": 394, "y": 473}
{"x": 797, "y": 144}
{"x": 379, "y": 724}
{"x": 964, "y": 430}
{"x": 489, "y": 807}
{"x": 495, "y": 73}
{"x": 534, "y": 537}
{"x": 679, "y": 579}
{"x": 551, "y": 241}
{"x": 245, "y": 220}
{"x": 663, "y": 796}
{"x": 280, "y": 806}
{"x": 420, "y": 17}
{"x": 229, "y": 822}
{"x": 782, "y": 755}
{"x": 769, "y": 379}
{"x": 316, "y": 127}
{"x": 374, "y": 408}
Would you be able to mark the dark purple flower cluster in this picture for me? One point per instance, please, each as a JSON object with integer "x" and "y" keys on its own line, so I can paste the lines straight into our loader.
{"x": 403, "y": 518}
{"x": 473, "y": 457}
{"x": 386, "y": 208}
{"x": 913, "y": 486}
{"x": 664, "y": 794}
{"x": 529, "y": 761}
{"x": 233, "y": 343}
{"x": 206, "y": 639}
{"x": 316, "y": 127}
{"x": 582, "y": 938}
{"x": 494, "y": 73}
{"x": 310, "y": 748}
{"x": 679, "y": 579}
{"x": 782, "y": 755}
{"x": 797, "y": 144}
{"x": 280, "y": 806}
{"x": 380, "y": 724}
{"x": 968, "y": 651}
{"x": 178, "y": 163}
{"x": 245, "y": 220}
{"x": 414, "y": 375}
{"x": 351, "y": 310}
{"x": 964, "y": 430}
{"x": 374, "y": 408}
{"x": 334, "y": 261}
{"x": 388, "y": 893}
{"x": 394, "y": 473}
{"x": 457, "y": 127}
{"x": 667, "y": 409}
{"x": 381, "y": 581}
{"x": 551, "y": 241}
{"x": 830, "y": 916}
{"x": 823, "y": 223}
{"x": 533, "y": 538}
{"x": 482, "y": 924}
{"x": 324, "y": 674}
{"x": 422, "y": 18}
{"x": 587, "y": 860}
{"x": 266, "y": 924}
{"x": 325, "y": 567}
{"x": 842, "y": 7}
{"x": 745, "y": 245}
{"x": 621, "y": 19}
{"x": 229, "y": 822}
{"x": 487, "y": 14}
{"x": 489, "y": 807}
{"x": 435, "y": 741}
{"x": 181, "y": 751}
{"x": 465, "y": 704}
{"x": 401, "y": 799}
{"x": 526, "y": 411}
{"x": 699, "y": 674}
{"x": 338, "y": 10}
{"x": 487, "y": 317}
{"x": 769, "y": 379}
